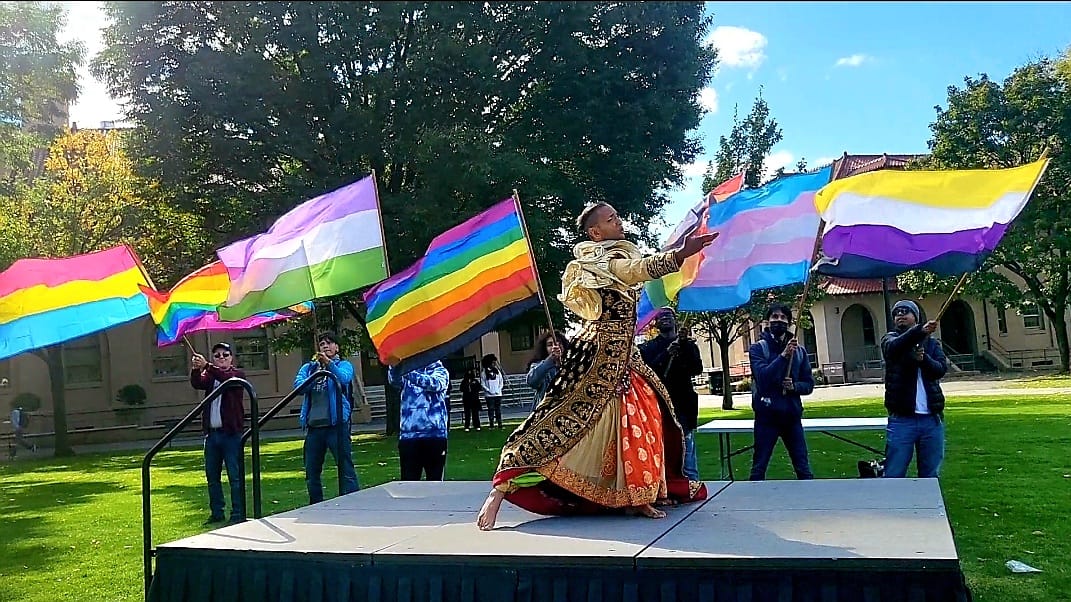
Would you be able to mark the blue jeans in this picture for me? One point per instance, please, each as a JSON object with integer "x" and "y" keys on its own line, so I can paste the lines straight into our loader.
{"x": 223, "y": 449}
{"x": 768, "y": 427}
{"x": 691, "y": 467}
{"x": 317, "y": 441}
{"x": 904, "y": 435}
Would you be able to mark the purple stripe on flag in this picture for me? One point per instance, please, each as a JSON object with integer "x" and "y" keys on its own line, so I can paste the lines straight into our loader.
{"x": 475, "y": 224}
{"x": 891, "y": 245}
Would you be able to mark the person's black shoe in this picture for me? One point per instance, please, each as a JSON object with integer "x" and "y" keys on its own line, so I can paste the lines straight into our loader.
{"x": 213, "y": 520}
{"x": 235, "y": 520}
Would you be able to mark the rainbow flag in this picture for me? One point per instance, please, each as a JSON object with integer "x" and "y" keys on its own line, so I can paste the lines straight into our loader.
{"x": 767, "y": 240}
{"x": 473, "y": 277}
{"x": 49, "y": 301}
{"x": 661, "y": 293}
{"x": 884, "y": 223}
{"x": 326, "y": 246}
{"x": 190, "y": 306}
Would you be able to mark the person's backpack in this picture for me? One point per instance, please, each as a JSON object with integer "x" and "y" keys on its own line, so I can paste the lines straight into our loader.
{"x": 24, "y": 419}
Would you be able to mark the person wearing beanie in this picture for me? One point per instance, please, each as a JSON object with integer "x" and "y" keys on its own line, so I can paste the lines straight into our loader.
{"x": 914, "y": 366}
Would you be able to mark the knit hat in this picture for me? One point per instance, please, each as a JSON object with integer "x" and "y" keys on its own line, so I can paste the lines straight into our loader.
{"x": 910, "y": 305}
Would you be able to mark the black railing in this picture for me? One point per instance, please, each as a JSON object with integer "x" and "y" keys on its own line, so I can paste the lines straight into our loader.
{"x": 146, "y": 501}
{"x": 278, "y": 407}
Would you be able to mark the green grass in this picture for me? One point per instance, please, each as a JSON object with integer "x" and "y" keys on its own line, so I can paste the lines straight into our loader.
{"x": 71, "y": 528}
{"x": 1046, "y": 381}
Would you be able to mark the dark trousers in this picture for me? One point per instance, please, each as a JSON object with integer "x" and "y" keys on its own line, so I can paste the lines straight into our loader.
{"x": 223, "y": 449}
{"x": 422, "y": 456}
{"x": 494, "y": 410}
{"x": 789, "y": 428}
{"x": 318, "y": 440}
{"x": 472, "y": 412}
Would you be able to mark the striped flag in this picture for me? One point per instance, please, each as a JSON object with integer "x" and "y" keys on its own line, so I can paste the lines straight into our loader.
{"x": 326, "y": 246}
{"x": 473, "y": 277}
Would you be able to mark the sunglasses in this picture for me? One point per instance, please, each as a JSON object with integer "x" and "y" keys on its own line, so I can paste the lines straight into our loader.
{"x": 221, "y": 355}
{"x": 901, "y": 311}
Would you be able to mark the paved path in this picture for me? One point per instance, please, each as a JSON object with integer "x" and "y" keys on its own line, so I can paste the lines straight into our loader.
{"x": 953, "y": 388}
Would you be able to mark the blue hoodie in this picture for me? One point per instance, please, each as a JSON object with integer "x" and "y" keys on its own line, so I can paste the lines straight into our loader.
{"x": 340, "y": 368}
{"x": 424, "y": 407}
{"x": 768, "y": 368}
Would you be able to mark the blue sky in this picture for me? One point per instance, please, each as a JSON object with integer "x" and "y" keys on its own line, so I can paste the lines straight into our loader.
{"x": 859, "y": 77}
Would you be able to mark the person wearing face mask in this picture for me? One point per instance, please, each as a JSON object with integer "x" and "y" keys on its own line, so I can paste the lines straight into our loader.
{"x": 781, "y": 374}
{"x": 675, "y": 358}
{"x": 914, "y": 366}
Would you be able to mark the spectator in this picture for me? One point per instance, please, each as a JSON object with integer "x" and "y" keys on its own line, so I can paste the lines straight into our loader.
{"x": 325, "y": 417}
{"x": 223, "y": 423}
{"x": 424, "y": 421}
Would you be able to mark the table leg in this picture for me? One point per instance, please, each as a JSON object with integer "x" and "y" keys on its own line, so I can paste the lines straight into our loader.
{"x": 729, "y": 445}
{"x": 855, "y": 443}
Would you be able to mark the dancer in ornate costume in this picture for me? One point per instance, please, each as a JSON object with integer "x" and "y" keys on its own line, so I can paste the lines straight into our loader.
{"x": 605, "y": 436}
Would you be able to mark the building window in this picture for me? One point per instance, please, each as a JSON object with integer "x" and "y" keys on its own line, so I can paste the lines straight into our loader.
{"x": 521, "y": 338}
{"x": 251, "y": 350}
{"x": 81, "y": 361}
{"x": 1032, "y": 317}
{"x": 869, "y": 336}
{"x": 170, "y": 361}
{"x": 1002, "y": 320}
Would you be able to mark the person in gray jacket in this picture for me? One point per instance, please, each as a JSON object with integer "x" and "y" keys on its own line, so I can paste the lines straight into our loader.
{"x": 544, "y": 365}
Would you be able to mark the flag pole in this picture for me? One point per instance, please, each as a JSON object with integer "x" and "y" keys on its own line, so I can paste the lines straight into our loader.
{"x": 814, "y": 257}
{"x": 382, "y": 230}
{"x": 535, "y": 268}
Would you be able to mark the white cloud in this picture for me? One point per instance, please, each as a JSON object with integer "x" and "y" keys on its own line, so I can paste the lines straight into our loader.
{"x": 708, "y": 99}
{"x": 738, "y": 46}
{"x": 854, "y": 60}
{"x": 820, "y": 161}
{"x": 778, "y": 159}
{"x": 94, "y": 104}
{"x": 696, "y": 168}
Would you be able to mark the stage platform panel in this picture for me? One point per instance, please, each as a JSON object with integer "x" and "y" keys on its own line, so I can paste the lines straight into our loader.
{"x": 860, "y": 539}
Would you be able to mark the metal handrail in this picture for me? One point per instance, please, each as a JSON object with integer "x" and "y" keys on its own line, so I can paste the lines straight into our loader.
{"x": 146, "y": 503}
{"x": 299, "y": 390}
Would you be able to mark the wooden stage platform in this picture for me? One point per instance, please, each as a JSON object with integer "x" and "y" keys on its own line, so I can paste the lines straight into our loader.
{"x": 866, "y": 540}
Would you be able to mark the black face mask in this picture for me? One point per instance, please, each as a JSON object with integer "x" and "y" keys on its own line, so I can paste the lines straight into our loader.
{"x": 778, "y": 329}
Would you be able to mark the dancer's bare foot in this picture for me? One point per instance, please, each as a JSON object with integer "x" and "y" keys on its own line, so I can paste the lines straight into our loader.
{"x": 646, "y": 510}
{"x": 489, "y": 513}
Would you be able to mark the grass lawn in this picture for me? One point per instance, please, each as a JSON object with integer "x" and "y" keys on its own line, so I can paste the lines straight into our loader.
{"x": 1046, "y": 381}
{"x": 71, "y": 528}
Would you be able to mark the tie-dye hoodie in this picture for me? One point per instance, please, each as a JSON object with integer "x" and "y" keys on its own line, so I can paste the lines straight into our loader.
{"x": 424, "y": 413}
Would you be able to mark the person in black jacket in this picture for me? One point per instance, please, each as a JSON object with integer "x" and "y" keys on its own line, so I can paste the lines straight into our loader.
{"x": 914, "y": 366}
{"x": 675, "y": 359}
{"x": 781, "y": 373}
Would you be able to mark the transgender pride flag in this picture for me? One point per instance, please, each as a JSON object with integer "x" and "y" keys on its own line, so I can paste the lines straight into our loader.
{"x": 767, "y": 240}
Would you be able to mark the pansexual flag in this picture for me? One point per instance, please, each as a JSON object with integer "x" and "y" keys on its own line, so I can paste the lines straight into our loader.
{"x": 661, "y": 293}
{"x": 767, "y": 240}
{"x": 473, "y": 277}
{"x": 190, "y": 306}
{"x": 884, "y": 223}
{"x": 49, "y": 301}
{"x": 326, "y": 246}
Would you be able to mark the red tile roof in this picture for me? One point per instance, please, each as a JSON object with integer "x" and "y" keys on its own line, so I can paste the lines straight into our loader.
{"x": 855, "y": 286}
{"x": 857, "y": 164}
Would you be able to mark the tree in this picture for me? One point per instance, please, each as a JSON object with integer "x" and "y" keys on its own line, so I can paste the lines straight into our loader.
{"x": 748, "y": 144}
{"x": 992, "y": 125}
{"x": 87, "y": 199}
{"x": 38, "y": 78}
{"x": 246, "y": 109}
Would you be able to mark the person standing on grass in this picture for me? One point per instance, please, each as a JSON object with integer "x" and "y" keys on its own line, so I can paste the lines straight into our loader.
{"x": 470, "y": 399}
{"x": 782, "y": 375}
{"x": 325, "y": 417}
{"x": 424, "y": 421}
{"x": 914, "y": 366}
{"x": 223, "y": 422}
{"x": 20, "y": 422}
{"x": 493, "y": 382}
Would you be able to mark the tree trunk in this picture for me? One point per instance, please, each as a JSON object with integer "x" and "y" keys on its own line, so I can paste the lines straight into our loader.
{"x": 1059, "y": 327}
{"x": 727, "y": 386}
{"x": 394, "y": 408}
{"x": 54, "y": 358}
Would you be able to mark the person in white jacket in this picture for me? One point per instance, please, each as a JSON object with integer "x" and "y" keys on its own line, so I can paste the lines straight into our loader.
{"x": 492, "y": 382}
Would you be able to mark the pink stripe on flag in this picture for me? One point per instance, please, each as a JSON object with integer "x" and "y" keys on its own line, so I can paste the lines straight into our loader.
{"x": 713, "y": 272}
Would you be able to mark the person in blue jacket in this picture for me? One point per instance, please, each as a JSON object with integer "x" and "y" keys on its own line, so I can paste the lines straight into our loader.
{"x": 781, "y": 374}
{"x": 424, "y": 421}
{"x": 325, "y": 418}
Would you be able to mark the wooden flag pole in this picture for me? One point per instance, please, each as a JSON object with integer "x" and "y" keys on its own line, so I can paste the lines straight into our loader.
{"x": 951, "y": 297}
{"x": 535, "y": 267}
{"x": 382, "y": 230}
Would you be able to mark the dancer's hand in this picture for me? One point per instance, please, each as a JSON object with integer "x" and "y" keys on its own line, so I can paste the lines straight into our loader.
{"x": 694, "y": 244}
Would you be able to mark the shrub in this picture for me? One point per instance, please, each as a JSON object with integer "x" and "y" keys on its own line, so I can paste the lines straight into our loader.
{"x": 131, "y": 395}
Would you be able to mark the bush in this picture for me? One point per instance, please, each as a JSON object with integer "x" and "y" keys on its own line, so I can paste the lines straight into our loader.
{"x": 819, "y": 376}
{"x": 743, "y": 386}
{"x": 131, "y": 395}
{"x": 27, "y": 401}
